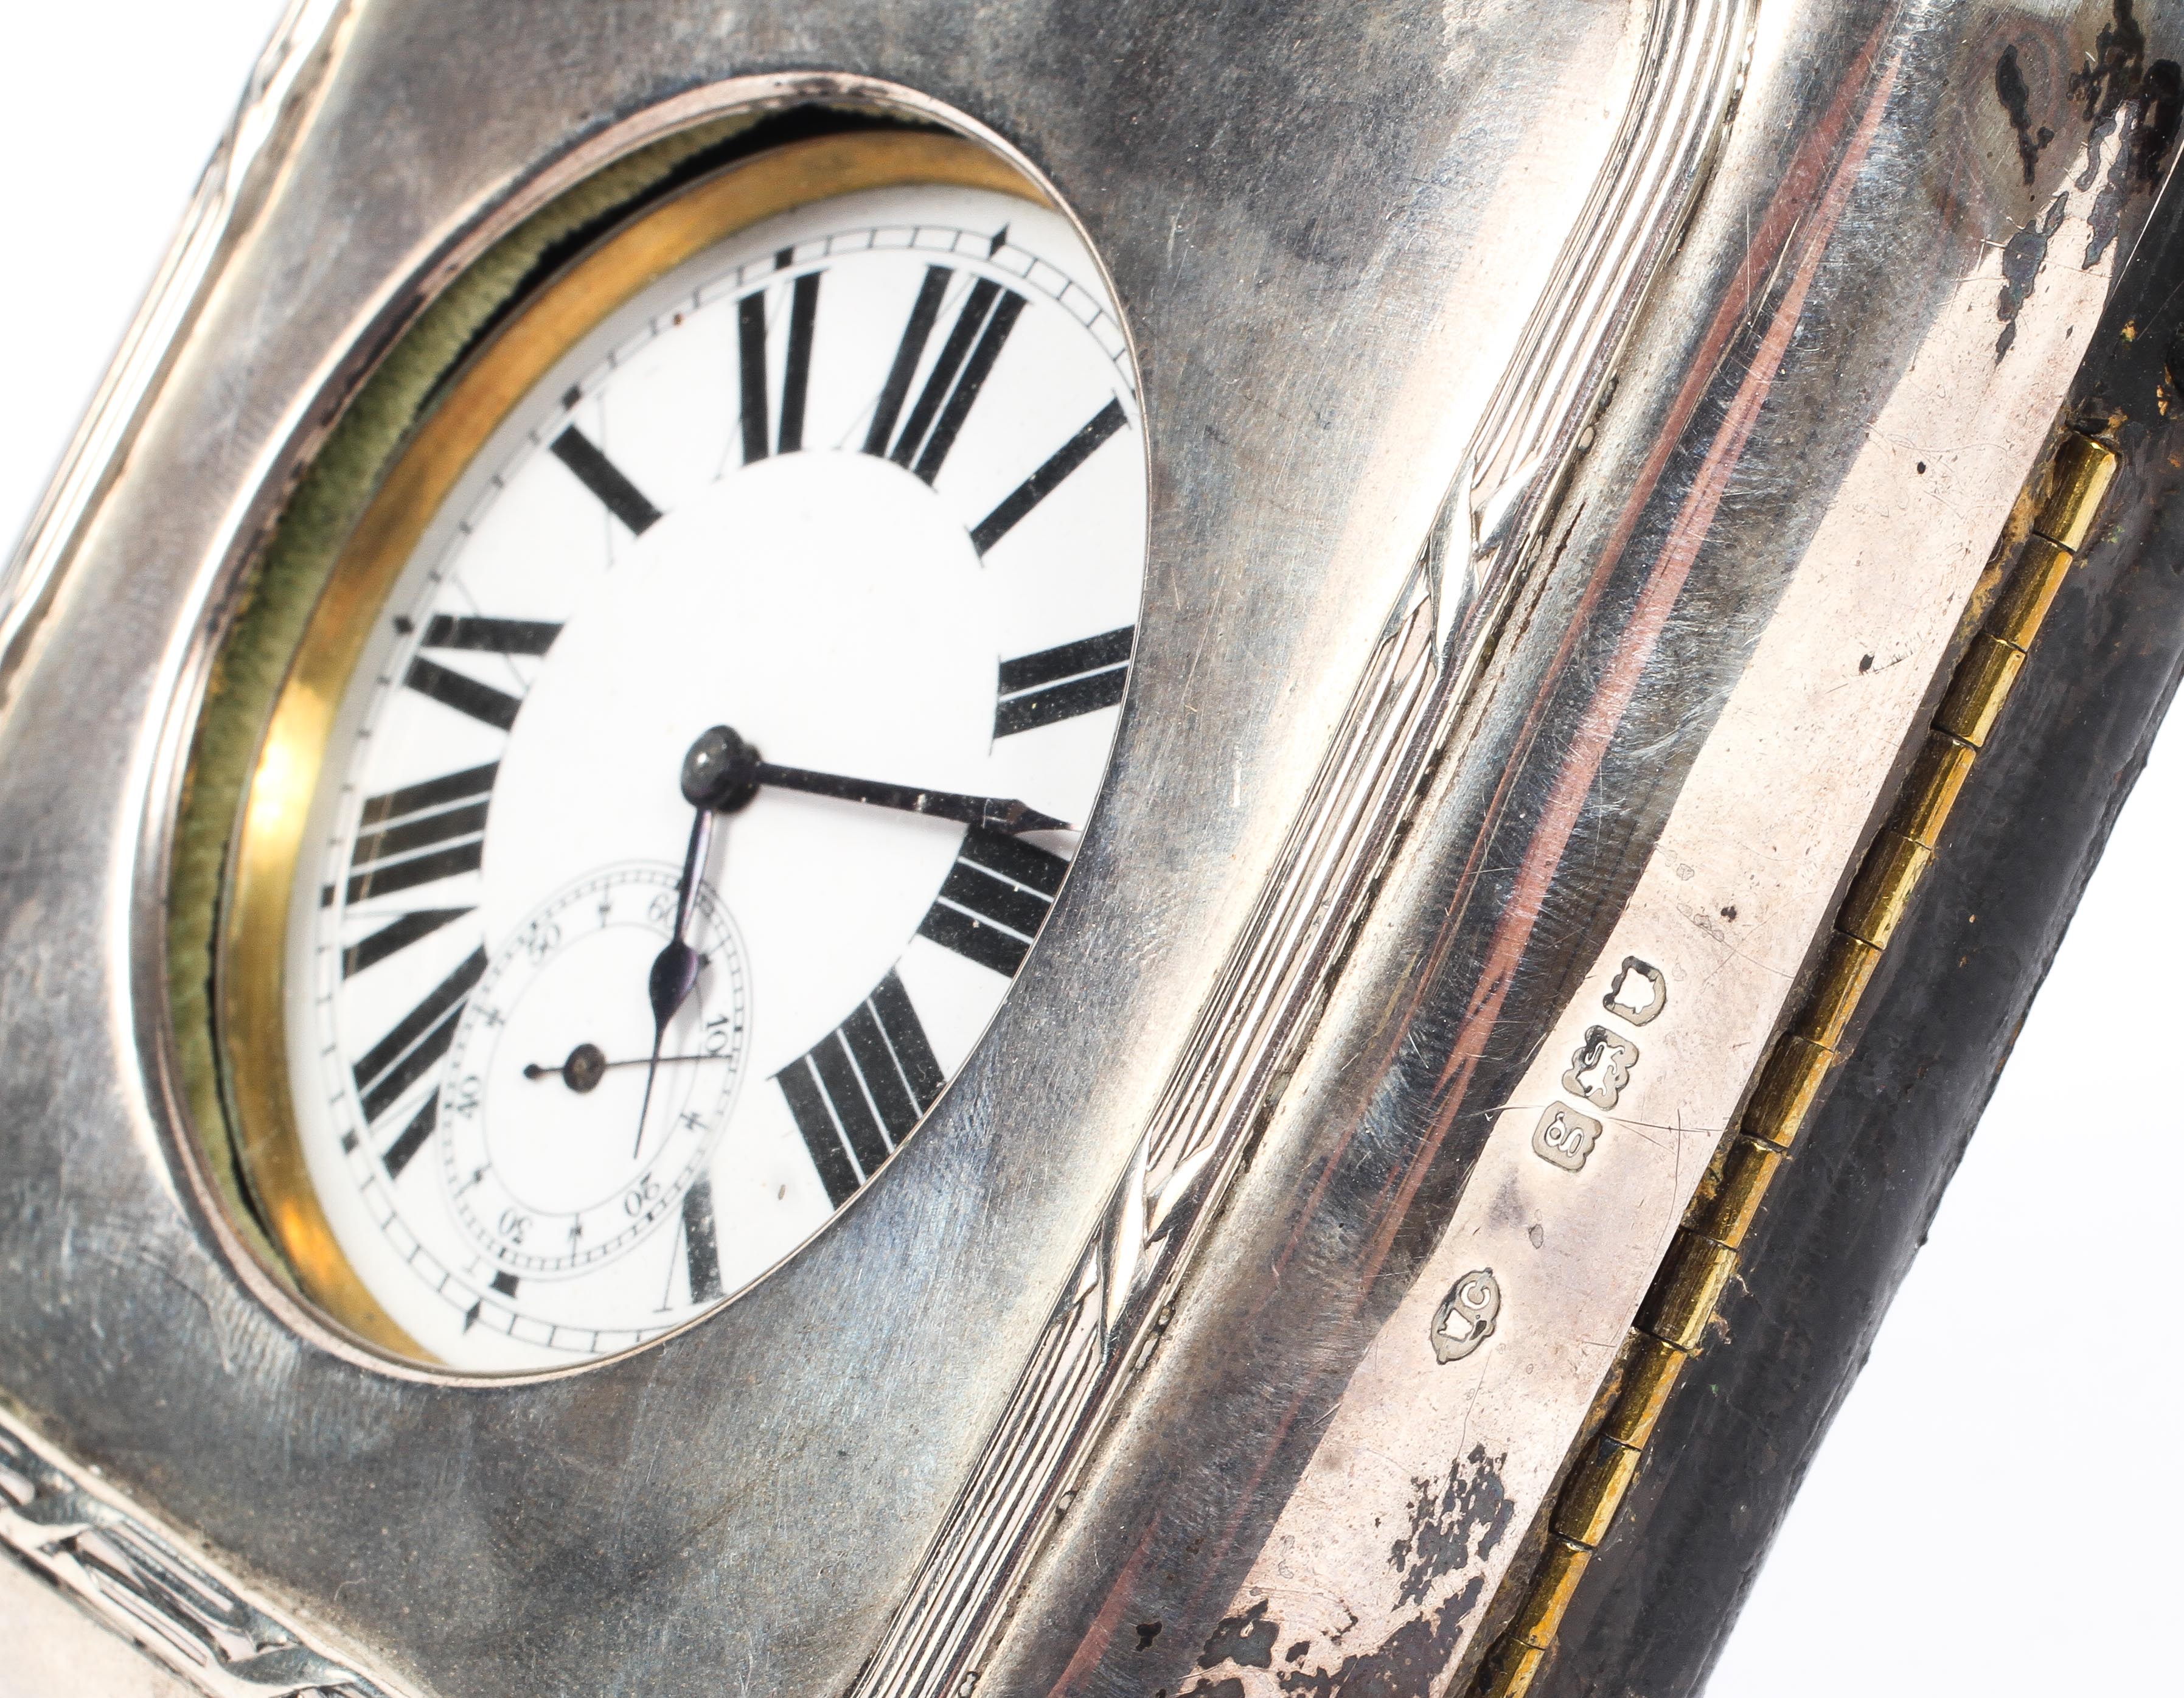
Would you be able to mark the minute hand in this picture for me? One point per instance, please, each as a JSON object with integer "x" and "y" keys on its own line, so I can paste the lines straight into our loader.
{"x": 994, "y": 813}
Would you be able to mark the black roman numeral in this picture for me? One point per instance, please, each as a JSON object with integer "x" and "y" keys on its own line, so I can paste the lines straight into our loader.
{"x": 856, "y": 1093}
{"x": 600, "y": 474}
{"x": 995, "y": 899}
{"x": 416, "y": 834}
{"x": 922, "y": 314}
{"x": 403, "y": 1149}
{"x": 490, "y": 635}
{"x": 458, "y": 690}
{"x": 796, "y": 374}
{"x": 701, "y": 1243}
{"x": 462, "y": 693}
{"x": 982, "y": 324}
{"x": 416, "y": 1043}
{"x": 1048, "y": 477}
{"x": 1079, "y": 677}
{"x": 421, "y": 922}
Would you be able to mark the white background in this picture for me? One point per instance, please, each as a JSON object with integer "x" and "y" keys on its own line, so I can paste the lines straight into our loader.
{"x": 1992, "y": 1510}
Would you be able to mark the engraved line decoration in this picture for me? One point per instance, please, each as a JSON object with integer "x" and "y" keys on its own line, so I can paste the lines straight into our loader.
{"x": 1414, "y": 688}
{"x": 290, "y": 70}
{"x": 137, "y": 1579}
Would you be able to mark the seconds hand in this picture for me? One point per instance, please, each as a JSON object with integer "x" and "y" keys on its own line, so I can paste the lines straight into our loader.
{"x": 588, "y": 1065}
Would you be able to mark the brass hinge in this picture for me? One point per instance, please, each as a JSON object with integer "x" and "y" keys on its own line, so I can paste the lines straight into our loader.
{"x": 1703, "y": 1256}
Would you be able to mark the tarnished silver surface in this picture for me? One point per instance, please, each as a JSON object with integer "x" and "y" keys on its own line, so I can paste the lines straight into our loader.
{"x": 1741, "y": 610}
{"x": 1343, "y": 241}
{"x": 1430, "y": 649}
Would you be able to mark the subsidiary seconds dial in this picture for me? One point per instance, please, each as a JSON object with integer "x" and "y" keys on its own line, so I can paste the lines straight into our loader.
{"x": 537, "y": 1177}
{"x": 862, "y": 486}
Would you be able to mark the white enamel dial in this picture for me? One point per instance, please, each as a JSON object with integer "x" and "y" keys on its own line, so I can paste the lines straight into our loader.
{"x": 865, "y": 483}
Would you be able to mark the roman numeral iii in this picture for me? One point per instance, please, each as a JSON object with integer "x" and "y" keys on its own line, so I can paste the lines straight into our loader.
{"x": 995, "y": 899}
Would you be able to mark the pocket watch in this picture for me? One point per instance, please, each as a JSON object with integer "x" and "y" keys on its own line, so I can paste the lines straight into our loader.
{"x": 684, "y": 752}
{"x": 890, "y": 852}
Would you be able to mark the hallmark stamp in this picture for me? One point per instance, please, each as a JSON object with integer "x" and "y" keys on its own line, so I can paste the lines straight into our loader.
{"x": 1600, "y": 1068}
{"x": 1565, "y": 1137}
{"x": 1466, "y": 1317}
{"x": 1651, "y": 991}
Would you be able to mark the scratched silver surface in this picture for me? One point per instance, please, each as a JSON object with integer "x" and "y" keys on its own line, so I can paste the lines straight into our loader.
{"x": 1249, "y": 1030}
{"x": 1326, "y": 231}
{"x": 1740, "y": 612}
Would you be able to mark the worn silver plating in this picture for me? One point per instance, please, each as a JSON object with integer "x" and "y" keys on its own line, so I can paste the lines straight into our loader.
{"x": 1404, "y": 713}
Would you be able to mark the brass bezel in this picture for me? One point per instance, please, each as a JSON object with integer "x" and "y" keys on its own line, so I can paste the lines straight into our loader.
{"x": 251, "y": 944}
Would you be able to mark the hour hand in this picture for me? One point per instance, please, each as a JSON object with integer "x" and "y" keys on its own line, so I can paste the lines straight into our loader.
{"x": 724, "y": 772}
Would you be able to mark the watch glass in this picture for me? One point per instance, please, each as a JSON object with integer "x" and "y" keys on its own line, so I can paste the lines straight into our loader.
{"x": 828, "y": 515}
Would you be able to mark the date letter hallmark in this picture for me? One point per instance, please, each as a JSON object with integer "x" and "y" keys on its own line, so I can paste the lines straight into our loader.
{"x": 1651, "y": 991}
{"x": 1600, "y": 1069}
{"x": 1565, "y": 1137}
{"x": 1466, "y": 1317}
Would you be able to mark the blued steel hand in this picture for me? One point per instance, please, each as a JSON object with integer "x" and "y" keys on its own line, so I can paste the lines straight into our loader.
{"x": 724, "y": 772}
{"x": 675, "y": 968}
